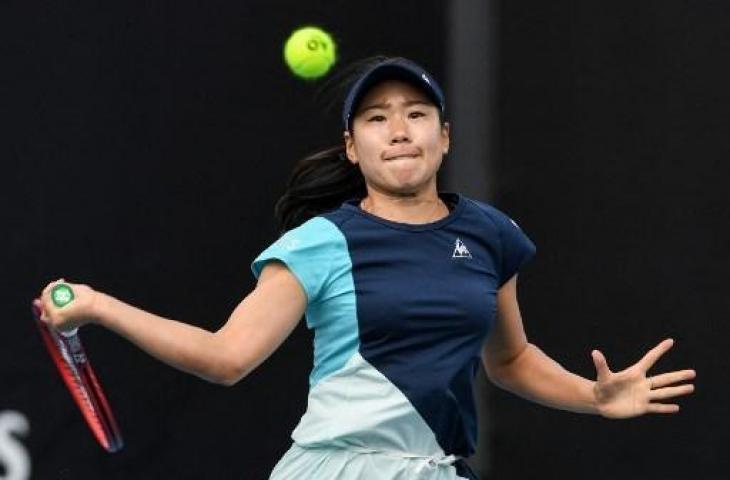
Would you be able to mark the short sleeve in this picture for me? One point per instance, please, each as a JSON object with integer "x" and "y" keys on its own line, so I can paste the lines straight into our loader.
{"x": 307, "y": 251}
{"x": 516, "y": 247}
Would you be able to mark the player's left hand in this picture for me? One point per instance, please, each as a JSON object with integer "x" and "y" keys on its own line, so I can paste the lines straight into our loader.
{"x": 630, "y": 392}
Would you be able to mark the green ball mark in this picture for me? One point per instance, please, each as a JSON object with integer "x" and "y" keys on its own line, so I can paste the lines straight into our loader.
{"x": 62, "y": 295}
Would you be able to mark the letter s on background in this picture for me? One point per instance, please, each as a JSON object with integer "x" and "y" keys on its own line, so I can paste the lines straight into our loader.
{"x": 14, "y": 457}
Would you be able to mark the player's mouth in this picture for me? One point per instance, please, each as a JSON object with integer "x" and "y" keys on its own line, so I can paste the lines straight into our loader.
{"x": 401, "y": 154}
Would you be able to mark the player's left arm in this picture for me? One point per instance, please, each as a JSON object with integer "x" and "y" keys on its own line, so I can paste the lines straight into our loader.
{"x": 515, "y": 364}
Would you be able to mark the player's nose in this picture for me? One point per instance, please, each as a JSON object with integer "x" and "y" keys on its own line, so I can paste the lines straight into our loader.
{"x": 399, "y": 130}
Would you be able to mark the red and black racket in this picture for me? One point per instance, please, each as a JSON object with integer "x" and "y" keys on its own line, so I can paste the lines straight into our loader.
{"x": 70, "y": 358}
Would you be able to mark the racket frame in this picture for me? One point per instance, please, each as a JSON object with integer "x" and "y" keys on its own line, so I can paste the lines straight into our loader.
{"x": 69, "y": 356}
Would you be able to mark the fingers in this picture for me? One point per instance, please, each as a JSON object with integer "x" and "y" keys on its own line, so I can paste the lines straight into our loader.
{"x": 655, "y": 353}
{"x": 47, "y": 290}
{"x": 38, "y": 308}
{"x": 661, "y": 390}
{"x": 44, "y": 302}
{"x": 662, "y": 408}
{"x": 671, "y": 392}
{"x": 601, "y": 364}
{"x": 666, "y": 379}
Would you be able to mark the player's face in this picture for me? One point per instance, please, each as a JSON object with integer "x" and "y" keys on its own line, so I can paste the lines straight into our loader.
{"x": 397, "y": 139}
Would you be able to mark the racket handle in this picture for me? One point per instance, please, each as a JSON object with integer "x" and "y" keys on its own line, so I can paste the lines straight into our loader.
{"x": 62, "y": 295}
{"x": 69, "y": 333}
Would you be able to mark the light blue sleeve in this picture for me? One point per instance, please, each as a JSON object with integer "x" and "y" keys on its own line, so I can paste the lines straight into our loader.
{"x": 308, "y": 251}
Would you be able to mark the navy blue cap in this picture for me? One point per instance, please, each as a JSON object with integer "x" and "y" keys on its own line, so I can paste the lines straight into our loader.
{"x": 391, "y": 69}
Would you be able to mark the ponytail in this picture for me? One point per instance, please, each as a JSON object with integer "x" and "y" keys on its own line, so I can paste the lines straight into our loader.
{"x": 318, "y": 183}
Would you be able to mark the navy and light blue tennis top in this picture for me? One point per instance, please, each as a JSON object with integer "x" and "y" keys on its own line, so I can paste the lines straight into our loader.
{"x": 400, "y": 313}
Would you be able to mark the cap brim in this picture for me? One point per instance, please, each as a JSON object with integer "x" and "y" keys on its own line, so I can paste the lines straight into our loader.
{"x": 391, "y": 71}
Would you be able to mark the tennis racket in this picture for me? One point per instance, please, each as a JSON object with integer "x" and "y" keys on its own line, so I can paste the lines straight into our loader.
{"x": 73, "y": 364}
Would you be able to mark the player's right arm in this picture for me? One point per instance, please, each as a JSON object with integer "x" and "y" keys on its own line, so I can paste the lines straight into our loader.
{"x": 257, "y": 326}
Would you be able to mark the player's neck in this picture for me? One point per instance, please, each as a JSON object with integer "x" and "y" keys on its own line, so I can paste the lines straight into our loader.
{"x": 419, "y": 208}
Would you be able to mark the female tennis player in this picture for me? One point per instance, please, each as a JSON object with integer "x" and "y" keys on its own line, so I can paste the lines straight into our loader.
{"x": 406, "y": 288}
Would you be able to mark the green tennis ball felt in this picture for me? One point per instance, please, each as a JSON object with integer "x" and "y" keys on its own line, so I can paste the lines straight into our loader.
{"x": 310, "y": 52}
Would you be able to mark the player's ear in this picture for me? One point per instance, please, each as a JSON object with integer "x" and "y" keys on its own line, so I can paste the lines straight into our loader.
{"x": 445, "y": 137}
{"x": 350, "y": 151}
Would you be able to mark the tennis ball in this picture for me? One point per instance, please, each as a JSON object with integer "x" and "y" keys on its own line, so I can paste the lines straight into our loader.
{"x": 309, "y": 52}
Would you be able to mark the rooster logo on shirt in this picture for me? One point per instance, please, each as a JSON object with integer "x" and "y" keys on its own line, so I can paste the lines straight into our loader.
{"x": 460, "y": 250}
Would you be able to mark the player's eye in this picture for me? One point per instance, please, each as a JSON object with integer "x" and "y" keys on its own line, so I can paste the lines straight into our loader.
{"x": 416, "y": 114}
{"x": 376, "y": 118}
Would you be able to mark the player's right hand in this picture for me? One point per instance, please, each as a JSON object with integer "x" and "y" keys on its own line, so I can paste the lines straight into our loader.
{"x": 74, "y": 314}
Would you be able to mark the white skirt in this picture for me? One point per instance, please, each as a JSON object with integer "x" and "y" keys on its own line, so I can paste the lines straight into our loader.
{"x": 322, "y": 463}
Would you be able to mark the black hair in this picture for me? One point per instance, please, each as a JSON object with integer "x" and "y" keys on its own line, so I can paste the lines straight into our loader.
{"x": 323, "y": 180}
{"x": 318, "y": 183}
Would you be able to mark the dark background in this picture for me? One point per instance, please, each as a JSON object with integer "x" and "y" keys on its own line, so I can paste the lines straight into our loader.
{"x": 614, "y": 119}
{"x": 145, "y": 143}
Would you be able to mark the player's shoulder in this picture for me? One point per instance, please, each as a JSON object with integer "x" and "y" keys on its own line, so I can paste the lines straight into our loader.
{"x": 340, "y": 215}
{"x": 312, "y": 225}
{"x": 491, "y": 212}
{"x": 315, "y": 227}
